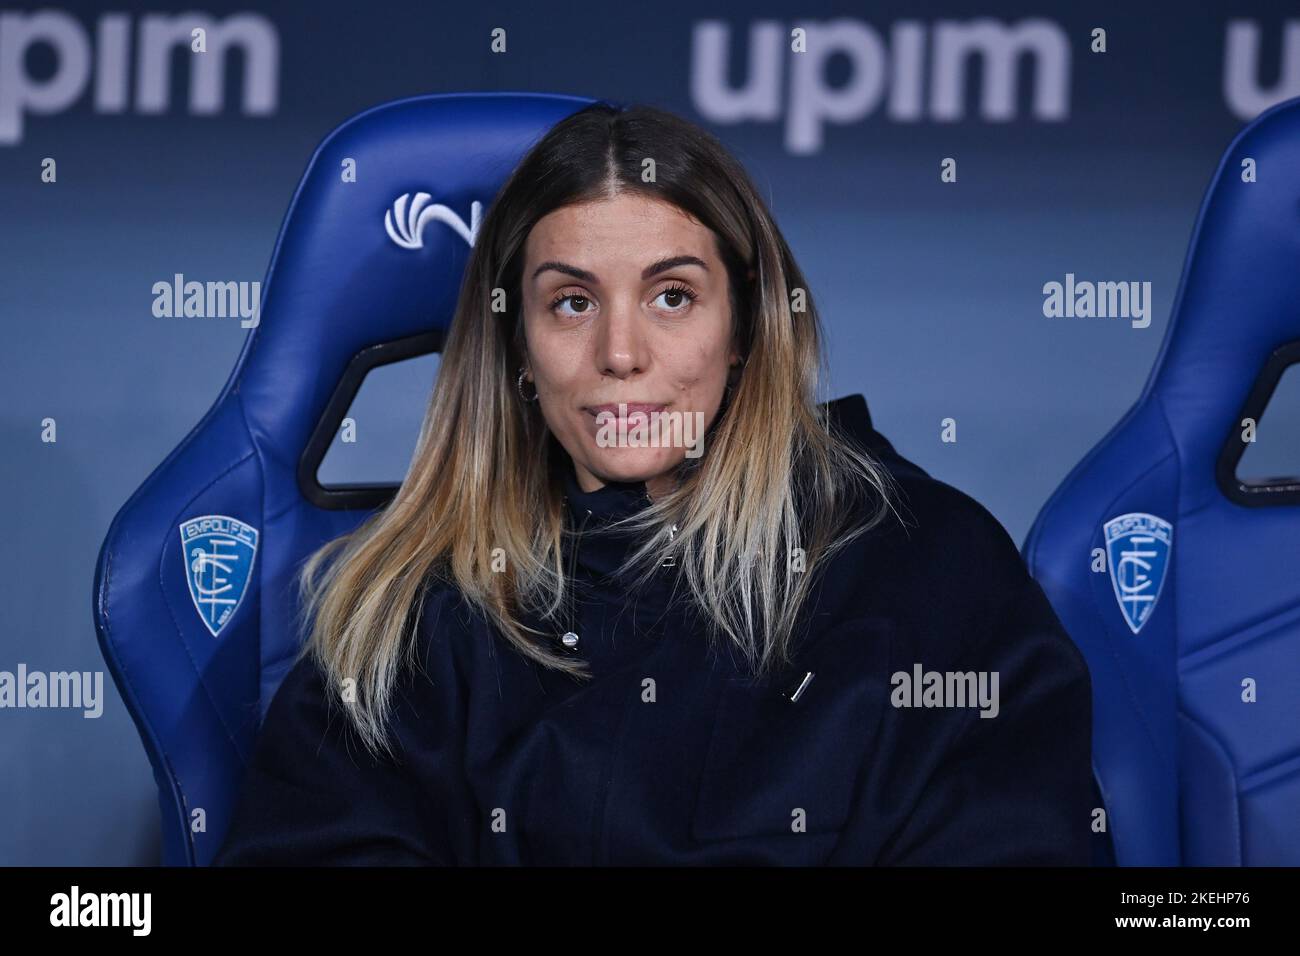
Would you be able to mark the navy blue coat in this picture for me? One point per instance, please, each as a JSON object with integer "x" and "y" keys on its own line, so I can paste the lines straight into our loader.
{"x": 502, "y": 761}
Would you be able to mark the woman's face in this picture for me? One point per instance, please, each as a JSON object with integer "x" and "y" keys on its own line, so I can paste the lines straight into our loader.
{"x": 626, "y": 301}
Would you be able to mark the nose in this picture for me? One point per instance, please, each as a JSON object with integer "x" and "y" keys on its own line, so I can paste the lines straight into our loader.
{"x": 621, "y": 347}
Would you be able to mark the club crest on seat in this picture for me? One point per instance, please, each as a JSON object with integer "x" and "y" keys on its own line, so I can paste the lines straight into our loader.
{"x": 1137, "y": 555}
{"x": 218, "y": 552}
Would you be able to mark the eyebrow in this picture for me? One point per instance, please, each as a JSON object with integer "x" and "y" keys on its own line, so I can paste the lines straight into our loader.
{"x": 663, "y": 265}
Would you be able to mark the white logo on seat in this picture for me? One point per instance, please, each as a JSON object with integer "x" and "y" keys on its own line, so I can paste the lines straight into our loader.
{"x": 405, "y": 226}
{"x": 1137, "y": 550}
{"x": 218, "y": 552}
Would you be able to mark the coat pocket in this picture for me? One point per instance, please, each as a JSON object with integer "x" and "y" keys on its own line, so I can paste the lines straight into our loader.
{"x": 777, "y": 766}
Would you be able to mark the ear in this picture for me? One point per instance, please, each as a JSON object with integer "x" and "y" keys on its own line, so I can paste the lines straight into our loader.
{"x": 525, "y": 365}
{"x": 733, "y": 350}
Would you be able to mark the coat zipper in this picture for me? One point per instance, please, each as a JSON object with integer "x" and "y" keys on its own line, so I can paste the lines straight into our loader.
{"x": 570, "y": 638}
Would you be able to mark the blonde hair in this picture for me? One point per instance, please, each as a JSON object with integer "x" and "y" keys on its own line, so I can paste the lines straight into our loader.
{"x": 775, "y": 475}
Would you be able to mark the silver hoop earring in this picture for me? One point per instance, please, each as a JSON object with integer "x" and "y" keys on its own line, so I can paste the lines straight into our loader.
{"x": 519, "y": 386}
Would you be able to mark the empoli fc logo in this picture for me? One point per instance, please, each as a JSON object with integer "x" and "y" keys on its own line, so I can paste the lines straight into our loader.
{"x": 218, "y": 552}
{"x": 1137, "y": 550}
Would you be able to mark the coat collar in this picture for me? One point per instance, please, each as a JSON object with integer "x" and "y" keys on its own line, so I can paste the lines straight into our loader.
{"x": 616, "y": 499}
{"x": 602, "y": 550}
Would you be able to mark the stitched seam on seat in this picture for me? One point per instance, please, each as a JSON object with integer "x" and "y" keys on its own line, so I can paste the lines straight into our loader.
{"x": 1236, "y": 774}
{"x": 167, "y": 605}
{"x": 1267, "y": 627}
{"x": 1119, "y": 668}
{"x": 1270, "y": 768}
{"x": 262, "y": 470}
{"x": 157, "y": 740}
{"x": 126, "y": 675}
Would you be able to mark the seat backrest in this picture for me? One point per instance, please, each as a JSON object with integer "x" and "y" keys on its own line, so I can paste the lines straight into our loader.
{"x": 1178, "y": 581}
{"x": 194, "y": 602}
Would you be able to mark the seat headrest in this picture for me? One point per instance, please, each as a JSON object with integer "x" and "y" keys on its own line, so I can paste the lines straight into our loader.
{"x": 1226, "y": 321}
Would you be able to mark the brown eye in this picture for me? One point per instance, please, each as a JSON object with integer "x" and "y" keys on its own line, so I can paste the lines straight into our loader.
{"x": 578, "y": 303}
{"x": 677, "y": 298}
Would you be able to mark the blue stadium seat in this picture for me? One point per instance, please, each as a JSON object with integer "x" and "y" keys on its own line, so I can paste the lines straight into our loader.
{"x": 1180, "y": 582}
{"x": 194, "y": 600}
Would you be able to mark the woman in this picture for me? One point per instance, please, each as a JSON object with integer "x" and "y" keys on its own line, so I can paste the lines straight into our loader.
{"x": 744, "y": 642}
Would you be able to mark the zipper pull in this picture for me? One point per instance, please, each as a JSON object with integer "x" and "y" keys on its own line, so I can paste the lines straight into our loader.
{"x": 793, "y": 695}
{"x": 671, "y": 560}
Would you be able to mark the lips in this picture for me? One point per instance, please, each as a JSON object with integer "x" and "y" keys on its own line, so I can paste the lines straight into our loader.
{"x": 632, "y": 408}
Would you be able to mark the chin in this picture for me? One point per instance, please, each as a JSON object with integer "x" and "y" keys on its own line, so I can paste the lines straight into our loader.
{"x": 633, "y": 464}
